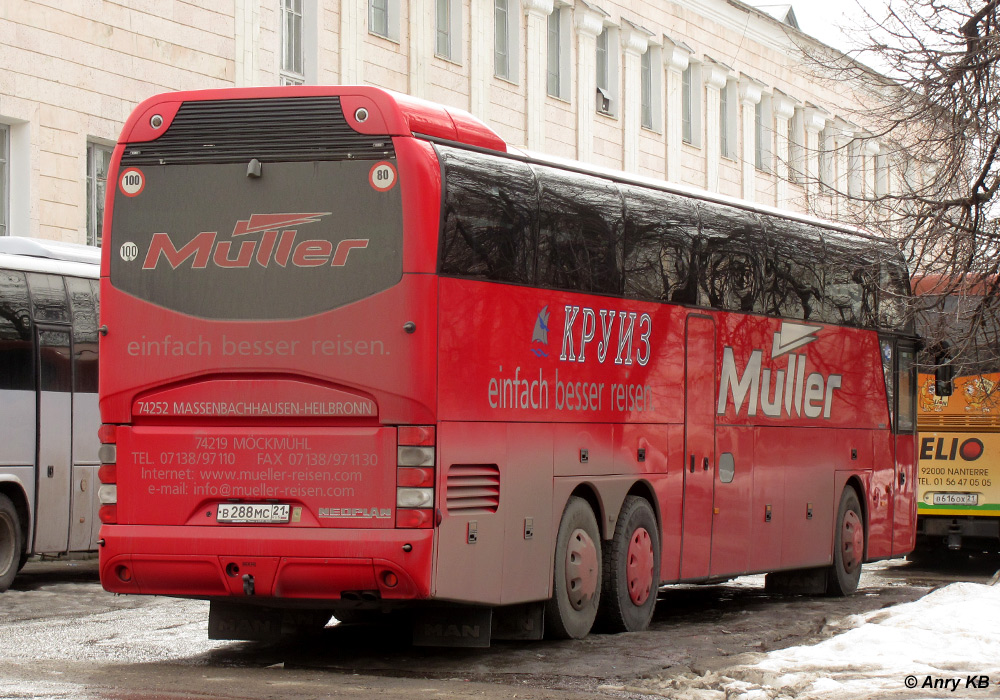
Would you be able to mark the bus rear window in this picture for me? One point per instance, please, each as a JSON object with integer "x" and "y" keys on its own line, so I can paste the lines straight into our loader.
{"x": 299, "y": 239}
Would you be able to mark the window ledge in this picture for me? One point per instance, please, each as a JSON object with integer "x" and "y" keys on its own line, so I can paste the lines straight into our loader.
{"x": 383, "y": 37}
{"x": 447, "y": 59}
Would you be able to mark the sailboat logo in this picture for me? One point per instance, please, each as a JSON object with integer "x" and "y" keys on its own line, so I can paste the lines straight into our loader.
{"x": 541, "y": 333}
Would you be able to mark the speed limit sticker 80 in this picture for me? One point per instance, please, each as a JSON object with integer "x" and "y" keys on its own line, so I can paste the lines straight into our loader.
{"x": 382, "y": 176}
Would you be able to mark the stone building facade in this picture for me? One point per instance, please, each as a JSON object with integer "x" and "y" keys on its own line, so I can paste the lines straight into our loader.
{"x": 712, "y": 94}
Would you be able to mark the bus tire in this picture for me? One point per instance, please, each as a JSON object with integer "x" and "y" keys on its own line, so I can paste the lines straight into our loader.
{"x": 848, "y": 546}
{"x": 11, "y": 547}
{"x": 576, "y": 584}
{"x": 631, "y": 569}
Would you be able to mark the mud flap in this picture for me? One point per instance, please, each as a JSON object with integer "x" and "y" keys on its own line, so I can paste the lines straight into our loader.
{"x": 796, "y": 582}
{"x": 519, "y": 622}
{"x": 453, "y": 627}
{"x": 260, "y": 624}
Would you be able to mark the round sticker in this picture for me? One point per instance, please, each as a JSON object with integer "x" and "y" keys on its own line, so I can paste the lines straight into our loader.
{"x": 132, "y": 182}
{"x": 129, "y": 251}
{"x": 382, "y": 176}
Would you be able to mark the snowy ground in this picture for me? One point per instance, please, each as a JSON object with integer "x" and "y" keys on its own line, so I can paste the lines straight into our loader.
{"x": 945, "y": 645}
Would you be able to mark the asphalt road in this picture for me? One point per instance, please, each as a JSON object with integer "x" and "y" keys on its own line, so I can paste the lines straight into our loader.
{"x": 62, "y": 636}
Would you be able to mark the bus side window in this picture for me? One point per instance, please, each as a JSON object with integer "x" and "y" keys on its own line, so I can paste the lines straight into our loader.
{"x": 580, "y": 232}
{"x": 16, "y": 344}
{"x": 793, "y": 269}
{"x": 731, "y": 271}
{"x": 906, "y": 394}
{"x": 489, "y": 217}
{"x": 84, "y": 308}
{"x": 48, "y": 298}
{"x": 892, "y": 298}
{"x": 660, "y": 231}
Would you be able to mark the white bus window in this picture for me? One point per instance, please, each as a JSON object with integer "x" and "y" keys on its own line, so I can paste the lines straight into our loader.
{"x": 15, "y": 333}
{"x": 48, "y": 298}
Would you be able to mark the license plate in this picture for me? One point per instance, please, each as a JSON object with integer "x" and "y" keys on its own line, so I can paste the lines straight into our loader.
{"x": 956, "y": 499}
{"x": 252, "y": 513}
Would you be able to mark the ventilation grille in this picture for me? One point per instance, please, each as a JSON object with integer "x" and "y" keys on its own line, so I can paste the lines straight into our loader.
{"x": 473, "y": 488}
{"x": 280, "y": 129}
{"x": 928, "y": 422}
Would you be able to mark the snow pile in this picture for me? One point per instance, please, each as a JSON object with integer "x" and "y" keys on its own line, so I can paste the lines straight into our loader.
{"x": 930, "y": 648}
{"x": 951, "y": 633}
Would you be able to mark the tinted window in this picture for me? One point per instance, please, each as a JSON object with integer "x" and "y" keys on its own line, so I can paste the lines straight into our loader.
{"x": 732, "y": 273}
{"x": 579, "y": 232}
{"x": 48, "y": 298}
{"x": 301, "y": 239}
{"x": 793, "y": 270}
{"x": 489, "y": 213}
{"x": 660, "y": 234}
{"x": 851, "y": 285}
{"x": 84, "y": 308}
{"x": 55, "y": 365}
{"x": 906, "y": 393}
{"x": 16, "y": 366}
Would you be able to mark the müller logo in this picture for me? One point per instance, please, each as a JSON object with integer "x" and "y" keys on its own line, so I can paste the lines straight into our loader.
{"x": 776, "y": 390}
{"x": 278, "y": 244}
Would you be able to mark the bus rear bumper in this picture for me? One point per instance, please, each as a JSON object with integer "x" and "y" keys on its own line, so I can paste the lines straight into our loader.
{"x": 316, "y": 565}
{"x": 956, "y": 533}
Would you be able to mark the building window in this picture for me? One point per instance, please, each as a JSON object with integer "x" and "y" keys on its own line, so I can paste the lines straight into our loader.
{"x": 646, "y": 83}
{"x": 691, "y": 104}
{"x": 557, "y": 73}
{"x": 505, "y": 30}
{"x": 827, "y": 151}
{"x": 727, "y": 120}
{"x": 855, "y": 169}
{"x": 98, "y": 163}
{"x": 796, "y": 151}
{"x": 881, "y": 175}
{"x": 378, "y": 17}
{"x": 4, "y": 179}
{"x": 651, "y": 87}
{"x": 763, "y": 132}
{"x": 607, "y": 71}
{"x": 448, "y": 20}
{"x": 383, "y": 18}
{"x": 443, "y": 13}
{"x": 292, "y": 55}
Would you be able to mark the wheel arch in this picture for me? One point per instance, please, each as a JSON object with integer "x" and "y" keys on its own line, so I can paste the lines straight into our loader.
{"x": 589, "y": 493}
{"x": 854, "y": 482}
{"x": 15, "y": 492}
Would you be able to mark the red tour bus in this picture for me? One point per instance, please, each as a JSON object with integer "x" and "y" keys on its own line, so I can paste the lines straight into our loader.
{"x": 360, "y": 356}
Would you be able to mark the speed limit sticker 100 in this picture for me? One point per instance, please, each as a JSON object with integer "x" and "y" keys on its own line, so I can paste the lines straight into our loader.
{"x": 132, "y": 182}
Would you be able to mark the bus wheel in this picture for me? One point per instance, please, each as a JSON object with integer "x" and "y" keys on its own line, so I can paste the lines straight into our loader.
{"x": 10, "y": 543}
{"x": 576, "y": 584}
{"x": 631, "y": 569}
{"x": 848, "y": 547}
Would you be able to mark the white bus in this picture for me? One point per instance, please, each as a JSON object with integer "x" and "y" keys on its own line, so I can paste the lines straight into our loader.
{"x": 48, "y": 400}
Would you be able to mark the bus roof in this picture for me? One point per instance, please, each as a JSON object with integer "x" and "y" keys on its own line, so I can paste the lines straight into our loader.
{"x": 40, "y": 255}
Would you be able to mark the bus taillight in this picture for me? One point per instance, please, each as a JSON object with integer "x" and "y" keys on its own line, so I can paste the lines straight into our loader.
{"x": 415, "y": 457}
{"x": 107, "y": 494}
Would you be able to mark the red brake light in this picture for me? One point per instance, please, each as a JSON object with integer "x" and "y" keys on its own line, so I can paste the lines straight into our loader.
{"x": 108, "y": 514}
{"x": 107, "y": 433}
{"x": 108, "y": 474}
{"x": 414, "y": 517}
{"x": 416, "y": 435}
